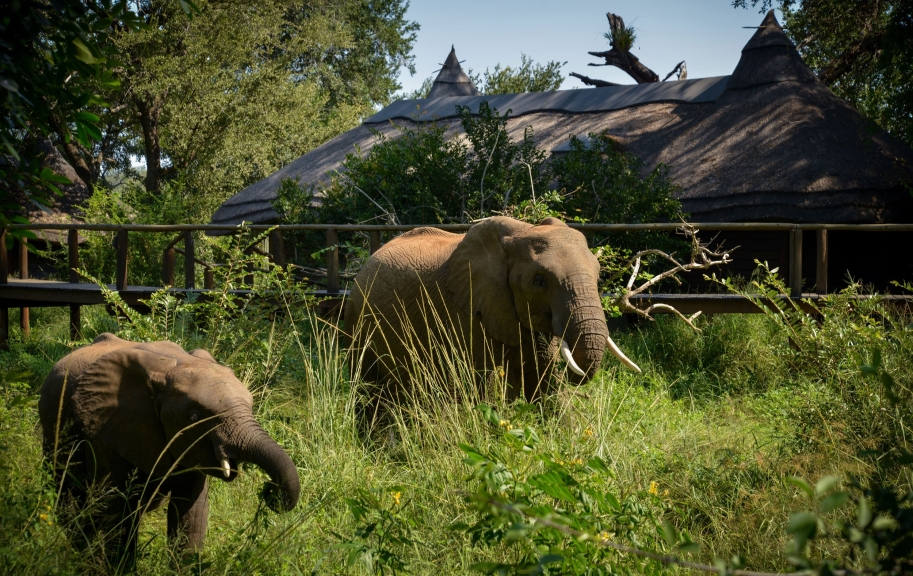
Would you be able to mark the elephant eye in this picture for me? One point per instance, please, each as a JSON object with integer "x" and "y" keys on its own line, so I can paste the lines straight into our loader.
{"x": 194, "y": 417}
{"x": 539, "y": 280}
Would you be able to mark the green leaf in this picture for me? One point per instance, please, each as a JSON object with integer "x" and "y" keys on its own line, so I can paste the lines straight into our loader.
{"x": 689, "y": 548}
{"x": 833, "y": 501}
{"x": 87, "y": 117}
{"x": 864, "y": 513}
{"x": 669, "y": 533}
{"x": 550, "y": 559}
{"x": 825, "y": 485}
{"x": 802, "y": 524}
{"x": 801, "y": 484}
{"x": 553, "y": 484}
{"x": 489, "y": 413}
{"x": 83, "y": 53}
{"x": 884, "y": 523}
{"x": 24, "y": 401}
{"x": 598, "y": 465}
{"x": 871, "y": 548}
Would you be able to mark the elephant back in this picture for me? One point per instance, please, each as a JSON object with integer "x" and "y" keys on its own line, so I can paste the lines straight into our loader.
{"x": 390, "y": 275}
{"x": 55, "y": 402}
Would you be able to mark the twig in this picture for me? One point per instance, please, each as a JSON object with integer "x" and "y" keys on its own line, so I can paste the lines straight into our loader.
{"x": 702, "y": 257}
{"x": 391, "y": 216}
{"x": 484, "y": 170}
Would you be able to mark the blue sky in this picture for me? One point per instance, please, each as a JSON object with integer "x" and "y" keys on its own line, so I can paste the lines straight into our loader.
{"x": 708, "y": 34}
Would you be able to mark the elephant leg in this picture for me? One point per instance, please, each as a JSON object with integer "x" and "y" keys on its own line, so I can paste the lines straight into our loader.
{"x": 188, "y": 509}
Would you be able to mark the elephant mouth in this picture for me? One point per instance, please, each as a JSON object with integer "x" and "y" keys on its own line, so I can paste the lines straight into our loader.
{"x": 227, "y": 468}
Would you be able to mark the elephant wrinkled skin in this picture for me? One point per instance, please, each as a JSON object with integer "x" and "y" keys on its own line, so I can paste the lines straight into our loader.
{"x": 149, "y": 420}
{"x": 508, "y": 292}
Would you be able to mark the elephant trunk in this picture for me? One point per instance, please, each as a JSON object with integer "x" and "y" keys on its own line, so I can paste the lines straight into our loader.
{"x": 248, "y": 442}
{"x": 585, "y": 331}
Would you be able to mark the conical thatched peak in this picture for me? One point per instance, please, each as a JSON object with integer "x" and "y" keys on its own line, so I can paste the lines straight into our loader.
{"x": 769, "y": 33}
{"x": 452, "y": 81}
{"x": 770, "y": 57}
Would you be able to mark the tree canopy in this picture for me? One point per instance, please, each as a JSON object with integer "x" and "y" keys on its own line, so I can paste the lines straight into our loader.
{"x": 529, "y": 76}
{"x": 224, "y": 97}
{"x": 862, "y": 49}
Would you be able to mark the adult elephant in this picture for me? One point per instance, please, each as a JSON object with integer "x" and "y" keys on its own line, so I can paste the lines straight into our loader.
{"x": 149, "y": 420}
{"x": 510, "y": 293}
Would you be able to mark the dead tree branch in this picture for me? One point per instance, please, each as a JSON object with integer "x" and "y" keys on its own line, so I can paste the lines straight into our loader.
{"x": 621, "y": 38}
{"x": 702, "y": 258}
{"x": 681, "y": 68}
{"x": 593, "y": 81}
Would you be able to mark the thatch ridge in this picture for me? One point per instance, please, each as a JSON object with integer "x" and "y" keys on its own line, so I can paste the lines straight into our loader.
{"x": 775, "y": 145}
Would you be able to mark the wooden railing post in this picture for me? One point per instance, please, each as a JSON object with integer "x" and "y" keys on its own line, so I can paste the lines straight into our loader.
{"x": 209, "y": 278}
{"x": 4, "y": 275}
{"x": 4, "y": 258}
{"x": 821, "y": 269}
{"x": 277, "y": 248}
{"x": 374, "y": 241}
{"x": 190, "y": 276}
{"x": 795, "y": 263}
{"x": 120, "y": 280}
{"x": 332, "y": 262}
{"x": 168, "y": 256}
{"x": 24, "y": 275}
{"x": 72, "y": 265}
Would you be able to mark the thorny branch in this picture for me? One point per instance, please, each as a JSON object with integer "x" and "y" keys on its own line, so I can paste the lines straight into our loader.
{"x": 702, "y": 258}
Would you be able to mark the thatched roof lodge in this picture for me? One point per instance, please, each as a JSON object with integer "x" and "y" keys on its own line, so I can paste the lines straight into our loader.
{"x": 768, "y": 143}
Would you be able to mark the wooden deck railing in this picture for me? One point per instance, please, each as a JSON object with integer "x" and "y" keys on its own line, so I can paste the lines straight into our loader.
{"x": 18, "y": 294}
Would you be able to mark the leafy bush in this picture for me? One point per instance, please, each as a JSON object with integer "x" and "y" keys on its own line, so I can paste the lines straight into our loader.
{"x": 424, "y": 177}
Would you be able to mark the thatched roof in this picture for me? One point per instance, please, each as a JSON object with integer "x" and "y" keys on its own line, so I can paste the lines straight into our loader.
{"x": 452, "y": 81}
{"x": 65, "y": 209}
{"x": 769, "y": 143}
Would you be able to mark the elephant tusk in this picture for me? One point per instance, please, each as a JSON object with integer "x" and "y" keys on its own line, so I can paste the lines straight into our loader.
{"x": 226, "y": 468}
{"x": 569, "y": 358}
{"x": 621, "y": 356}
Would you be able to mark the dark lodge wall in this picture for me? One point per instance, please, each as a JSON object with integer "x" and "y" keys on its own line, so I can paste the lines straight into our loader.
{"x": 873, "y": 258}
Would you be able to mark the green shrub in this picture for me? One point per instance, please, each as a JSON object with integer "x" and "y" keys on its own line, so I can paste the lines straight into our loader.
{"x": 424, "y": 177}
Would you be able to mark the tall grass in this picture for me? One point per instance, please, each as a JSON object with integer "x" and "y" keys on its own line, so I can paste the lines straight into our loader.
{"x": 716, "y": 424}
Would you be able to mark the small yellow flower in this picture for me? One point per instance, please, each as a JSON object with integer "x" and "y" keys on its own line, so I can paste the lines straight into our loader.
{"x": 665, "y": 493}
{"x": 604, "y": 535}
{"x": 500, "y": 371}
{"x": 396, "y": 498}
{"x": 588, "y": 433}
{"x": 504, "y": 423}
{"x": 578, "y": 462}
{"x": 654, "y": 489}
{"x": 43, "y": 516}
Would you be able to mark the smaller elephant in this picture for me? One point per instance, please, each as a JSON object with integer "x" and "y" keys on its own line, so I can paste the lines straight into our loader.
{"x": 150, "y": 420}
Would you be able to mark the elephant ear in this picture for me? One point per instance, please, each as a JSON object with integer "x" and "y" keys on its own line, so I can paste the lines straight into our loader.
{"x": 478, "y": 278}
{"x": 116, "y": 404}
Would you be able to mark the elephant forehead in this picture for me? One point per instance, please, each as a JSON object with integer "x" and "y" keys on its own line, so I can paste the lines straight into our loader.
{"x": 209, "y": 384}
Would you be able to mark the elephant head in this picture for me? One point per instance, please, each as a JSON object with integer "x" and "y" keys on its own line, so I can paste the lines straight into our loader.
{"x": 160, "y": 408}
{"x": 515, "y": 277}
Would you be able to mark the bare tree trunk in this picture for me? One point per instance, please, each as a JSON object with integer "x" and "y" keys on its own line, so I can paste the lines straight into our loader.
{"x": 149, "y": 113}
{"x": 74, "y": 154}
{"x": 629, "y": 63}
{"x": 622, "y": 40}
